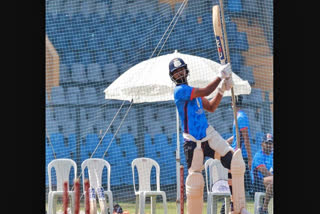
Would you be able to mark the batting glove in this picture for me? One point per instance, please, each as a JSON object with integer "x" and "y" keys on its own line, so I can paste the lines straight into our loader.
{"x": 226, "y": 85}
{"x": 225, "y": 71}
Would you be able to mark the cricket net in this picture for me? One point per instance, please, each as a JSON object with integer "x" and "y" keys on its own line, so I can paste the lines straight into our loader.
{"x": 89, "y": 44}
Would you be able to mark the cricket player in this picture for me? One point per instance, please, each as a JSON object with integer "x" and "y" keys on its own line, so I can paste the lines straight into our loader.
{"x": 201, "y": 139}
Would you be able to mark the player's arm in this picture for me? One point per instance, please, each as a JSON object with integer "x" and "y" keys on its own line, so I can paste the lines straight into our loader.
{"x": 264, "y": 171}
{"x": 224, "y": 72}
{"x": 230, "y": 139}
{"x": 206, "y": 91}
{"x": 211, "y": 105}
{"x": 245, "y": 135}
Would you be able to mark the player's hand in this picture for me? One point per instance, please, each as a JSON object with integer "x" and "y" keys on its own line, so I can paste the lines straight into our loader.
{"x": 228, "y": 83}
{"x": 225, "y": 71}
{"x": 222, "y": 87}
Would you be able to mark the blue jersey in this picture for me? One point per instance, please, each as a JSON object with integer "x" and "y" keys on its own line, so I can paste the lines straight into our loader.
{"x": 243, "y": 123}
{"x": 191, "y": 112}
{"x": 261, "y": 159}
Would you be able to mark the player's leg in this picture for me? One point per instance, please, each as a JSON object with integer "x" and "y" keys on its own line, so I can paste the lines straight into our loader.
{"x": 233, "y": 161}
{"x": 195, "y": 180}
{"x": 268, "y": 182}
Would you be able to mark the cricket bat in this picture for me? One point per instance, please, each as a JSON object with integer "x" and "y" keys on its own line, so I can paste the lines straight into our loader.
{"x": 223, "y": 52}
{"x": 237, "y": 164}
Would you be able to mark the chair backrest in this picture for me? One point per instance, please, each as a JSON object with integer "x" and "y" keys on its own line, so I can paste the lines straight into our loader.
{"x": 62, "y": 167}
{"x": 214, "y": 171}
{"x": 144, "y": 167}
{"x": 95, "y": 167}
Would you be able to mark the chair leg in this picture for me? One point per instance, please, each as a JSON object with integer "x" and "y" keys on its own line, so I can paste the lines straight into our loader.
{"x": 142, "y": 202}
{"x": 214, "y": 205}
{"x": 164, "y": 201}
{"x": 110, "y": 200}
{"x": 227, "y": 204}
{"x": 153, "y": 204}
{"x": 137, "y": 204}
{"x": 50, "y": 204}
{"x": 209, "y": 202}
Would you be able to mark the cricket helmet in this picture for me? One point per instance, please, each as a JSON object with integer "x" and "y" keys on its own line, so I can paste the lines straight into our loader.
{"x": 174, "y": 65}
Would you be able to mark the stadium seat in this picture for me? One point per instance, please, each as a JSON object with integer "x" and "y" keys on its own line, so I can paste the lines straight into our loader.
{"x": 57, "y": 95}
{"x": 242, "y": 41}
{"x": 246, "y": 73}
{"x": 179, "y": 5}
{"x": 51, "y": 123}
{"x": 234, "y": 6}
{"x": 58, "y": 143}
{"x": 165, "y": 11}
{"x": 62, "y": 168}
{"x": 250, "y": 6}
{"x": 86, "y": 57}
{"x": 255, "y": 96}
{"x": 144, "y": 167}
{"x": 94, "y": 72}
{"x": 78, "y": 73}
{"x": 232, "y": 31}
{"x": 89, "y": 96}
{"x": 73, "y": 95}
{"x": 64, "y": 73}
{"x": 237, "y": 61}
{"x": 95, "y": 167}
{"x": 110, "y": 72}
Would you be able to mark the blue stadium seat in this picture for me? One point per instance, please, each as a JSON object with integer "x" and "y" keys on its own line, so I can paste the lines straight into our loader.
{"x": 250, "y": 6}
{"x": 86, "y": 57}
{"x": 149, "y": 147}
{"x": 73, "y": 95}
{"x": 94, "y": 72}
{"x": 232, "y": 31}
{"x": 246, "y": 73}
{"x": 226, "y": 135}
{"x": 89, "y": 96}
{"x": 72, "y": 146}
{"x": 236, "y": 61}
{"x": 64, "y": 73}
{"x": 177, "y": 6}
{"x": 57, "y": 95}
{"x": 69, "y": 127}
{"x": 234, "y": 6}
{"x": 49, "y": 157}
{"x": 78, "y": 73}
{"x": 51, "y": 123}
{"x": 58, "y": 144}
{"x": 102, "y": 58}
{"x": 256, "y": 96}
{"x": 165, "y": 11}
{"x": 110, "y": 72}
{"x": 242, "y": 41}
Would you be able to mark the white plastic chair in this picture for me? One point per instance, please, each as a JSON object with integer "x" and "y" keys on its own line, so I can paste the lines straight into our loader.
{"x": 63, "y": 168}
{"x": 95, "y": 167}
{"x": 144, "y": 167}
{"x": 217, "y": 185}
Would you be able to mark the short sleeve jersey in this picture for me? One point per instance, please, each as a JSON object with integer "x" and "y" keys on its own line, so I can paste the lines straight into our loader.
{"x": 261, "y": 159}
{"x": 243, "y": 123}
{"x": 191, "y": 112}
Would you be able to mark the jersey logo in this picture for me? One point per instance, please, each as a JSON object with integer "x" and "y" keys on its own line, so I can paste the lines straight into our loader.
{"x": 176, "y": 63}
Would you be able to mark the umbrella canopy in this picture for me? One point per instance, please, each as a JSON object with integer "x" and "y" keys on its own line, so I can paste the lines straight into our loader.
{"x": 149, "y": 80}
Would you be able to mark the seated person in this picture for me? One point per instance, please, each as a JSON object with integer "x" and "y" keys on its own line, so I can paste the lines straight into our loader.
{"x": 262, "y": 171}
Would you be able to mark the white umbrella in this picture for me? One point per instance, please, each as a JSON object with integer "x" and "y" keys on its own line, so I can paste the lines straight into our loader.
{"x": 149, "y": 80}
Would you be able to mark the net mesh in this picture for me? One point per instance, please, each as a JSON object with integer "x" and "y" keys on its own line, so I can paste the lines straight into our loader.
{"x": 89, "y": 44}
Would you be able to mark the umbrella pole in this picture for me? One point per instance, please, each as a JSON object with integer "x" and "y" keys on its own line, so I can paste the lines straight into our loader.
{"x": 178, "y": 165}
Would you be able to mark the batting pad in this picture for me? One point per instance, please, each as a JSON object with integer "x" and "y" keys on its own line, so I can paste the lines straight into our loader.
{"x": 217, "y": 143}
{"x": 237, "y": 172}
{"x": 194, "y": 191}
